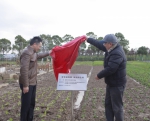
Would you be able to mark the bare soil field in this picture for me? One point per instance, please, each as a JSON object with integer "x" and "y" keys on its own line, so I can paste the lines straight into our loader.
{"x": 53, "y": 105}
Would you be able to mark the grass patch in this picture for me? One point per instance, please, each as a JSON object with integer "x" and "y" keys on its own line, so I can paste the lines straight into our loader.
{"x": 139, "y": 71}
{"x": 90, "y": 63}
{"x": 8, "y": 62}
{"x": 98, "y": 63}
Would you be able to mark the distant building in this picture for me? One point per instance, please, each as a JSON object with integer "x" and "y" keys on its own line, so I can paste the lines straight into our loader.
{"x": 8, "y": 56}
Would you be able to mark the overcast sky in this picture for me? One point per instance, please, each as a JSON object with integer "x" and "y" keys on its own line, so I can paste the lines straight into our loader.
{"x": 30, "y": 18}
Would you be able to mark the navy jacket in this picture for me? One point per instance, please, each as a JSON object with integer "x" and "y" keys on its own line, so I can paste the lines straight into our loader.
{"x": 114, "y": 70}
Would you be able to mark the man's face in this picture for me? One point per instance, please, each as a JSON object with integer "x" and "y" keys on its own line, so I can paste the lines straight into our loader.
{"x": 37, "y": 46}
{"x": 108, "y": 45}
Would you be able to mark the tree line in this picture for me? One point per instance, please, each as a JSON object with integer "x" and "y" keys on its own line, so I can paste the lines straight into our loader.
{"x": 50, "y": 41}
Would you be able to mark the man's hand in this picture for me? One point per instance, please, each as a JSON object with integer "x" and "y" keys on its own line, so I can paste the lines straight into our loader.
{"x": 96, "y": 78}
{"x": 50, "y": 51}
{"x": 86, "y": 37}
{"x": 25, "y": 90}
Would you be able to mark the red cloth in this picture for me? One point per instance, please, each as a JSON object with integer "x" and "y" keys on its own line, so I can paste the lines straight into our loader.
{"x": 65, "y": 56}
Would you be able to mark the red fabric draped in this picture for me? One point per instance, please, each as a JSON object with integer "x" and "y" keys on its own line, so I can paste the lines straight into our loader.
{"x": 65, "y": 56}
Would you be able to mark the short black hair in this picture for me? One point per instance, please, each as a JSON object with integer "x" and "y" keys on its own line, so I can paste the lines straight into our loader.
{"x": 35, "y": 40}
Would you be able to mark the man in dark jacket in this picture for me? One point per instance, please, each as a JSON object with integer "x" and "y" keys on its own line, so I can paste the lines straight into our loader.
{"x": 114, "y": 73}
{"x": 28, "y": 77}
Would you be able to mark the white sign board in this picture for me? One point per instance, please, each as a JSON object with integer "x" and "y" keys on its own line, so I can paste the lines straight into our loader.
{"x": 72, "y": 82}
{"x": 2, "y": 69}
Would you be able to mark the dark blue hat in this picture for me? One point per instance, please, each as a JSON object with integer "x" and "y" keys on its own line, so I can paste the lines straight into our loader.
{"x": 110, "y": 38}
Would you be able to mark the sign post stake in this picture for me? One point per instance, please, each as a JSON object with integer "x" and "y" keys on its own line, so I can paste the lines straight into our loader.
{"x": 72, "y": 106}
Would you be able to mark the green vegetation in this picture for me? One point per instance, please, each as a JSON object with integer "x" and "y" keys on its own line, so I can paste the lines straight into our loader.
{"x": 140, "y": 71}
{"x": 90, "y": 63}
{"x": 8, "y": 62}
{"x": 98, "y": 63}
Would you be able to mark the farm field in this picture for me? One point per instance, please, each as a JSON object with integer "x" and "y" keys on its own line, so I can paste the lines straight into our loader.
{"x": 53, "y": 105}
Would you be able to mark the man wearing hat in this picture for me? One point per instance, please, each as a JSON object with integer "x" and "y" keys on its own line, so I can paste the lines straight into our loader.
{"x": 114, "y": 74}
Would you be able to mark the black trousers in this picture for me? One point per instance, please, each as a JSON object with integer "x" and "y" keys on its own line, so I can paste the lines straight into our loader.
{"x": 27, "y": 103}
{"x": 114, "y": 103}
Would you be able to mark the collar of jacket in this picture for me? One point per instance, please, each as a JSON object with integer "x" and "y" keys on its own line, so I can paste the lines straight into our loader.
{"x": 30, "y": 49}
{"x": 112, "y": 47}
{"x": 32, "y": 52}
